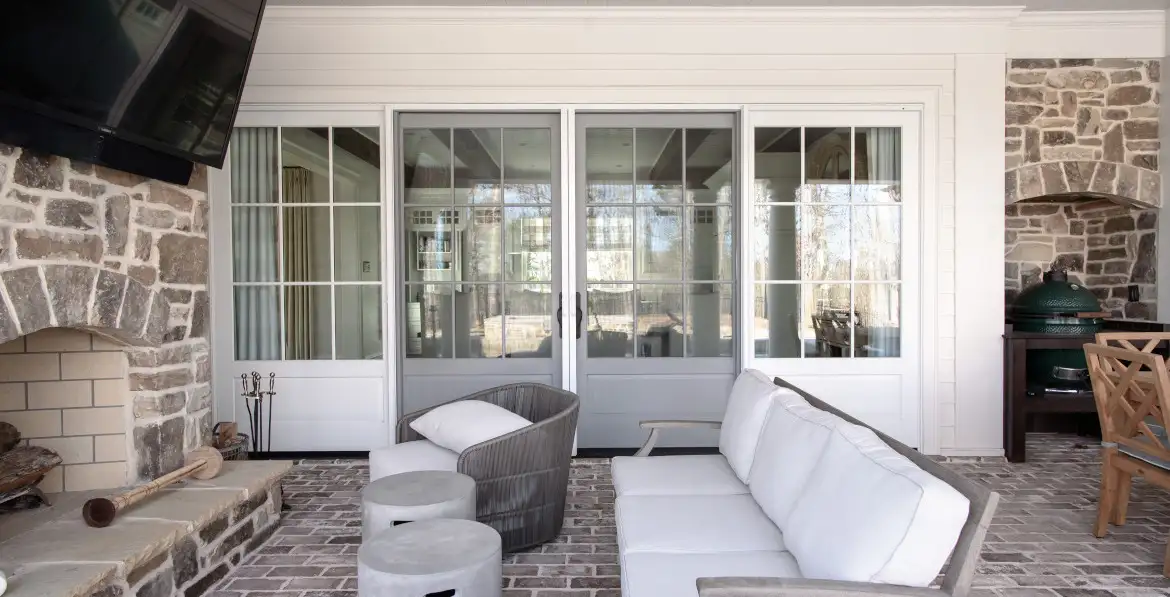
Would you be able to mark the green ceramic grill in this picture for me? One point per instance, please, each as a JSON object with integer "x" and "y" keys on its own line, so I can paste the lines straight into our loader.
{"x": 1051, "y": 307}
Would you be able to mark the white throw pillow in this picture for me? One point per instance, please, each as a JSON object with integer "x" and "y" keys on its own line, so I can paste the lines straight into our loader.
{"x": 743, "y": 420}
{"x": 460, "y": 425}
{"x": 869, "y": 514}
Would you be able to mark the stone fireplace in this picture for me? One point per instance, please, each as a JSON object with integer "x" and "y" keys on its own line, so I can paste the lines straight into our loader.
{"x": 104, "y": 356}
{"x": 1083, "y": 186}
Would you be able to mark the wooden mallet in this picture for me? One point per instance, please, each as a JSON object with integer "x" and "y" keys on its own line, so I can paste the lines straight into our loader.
{"x": 202, "y": 463}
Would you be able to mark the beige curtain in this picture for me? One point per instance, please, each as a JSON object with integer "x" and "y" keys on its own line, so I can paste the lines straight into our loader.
{"x": 299, "y": 311}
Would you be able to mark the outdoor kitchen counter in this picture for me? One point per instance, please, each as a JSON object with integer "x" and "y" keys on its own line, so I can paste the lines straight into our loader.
{"x": 191, "y": 534}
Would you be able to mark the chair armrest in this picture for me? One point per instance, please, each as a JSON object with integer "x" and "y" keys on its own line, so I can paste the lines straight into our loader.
{"x": 804, "y": 587}
{"x": 656, "y": 425}
{"x": 668, "y": 424}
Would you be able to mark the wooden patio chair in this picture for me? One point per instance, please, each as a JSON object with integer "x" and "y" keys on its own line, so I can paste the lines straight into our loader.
{"x": 1131, "y": 388}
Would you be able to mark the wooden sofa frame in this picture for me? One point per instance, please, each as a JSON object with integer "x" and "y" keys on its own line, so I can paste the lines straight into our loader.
{"x": 958, "y": 575}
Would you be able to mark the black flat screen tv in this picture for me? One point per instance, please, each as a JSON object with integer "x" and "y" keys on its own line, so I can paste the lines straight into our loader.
{"x": 145, "y": 86}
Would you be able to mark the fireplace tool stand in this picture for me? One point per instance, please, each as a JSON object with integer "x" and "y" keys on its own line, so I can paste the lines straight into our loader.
{"x": 254, "y": 399}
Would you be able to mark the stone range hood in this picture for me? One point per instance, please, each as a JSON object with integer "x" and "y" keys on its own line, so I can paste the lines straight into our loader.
{"x": 1083, "y": 185}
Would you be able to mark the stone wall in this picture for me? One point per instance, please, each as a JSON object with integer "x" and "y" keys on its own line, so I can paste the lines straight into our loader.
{"x": 1082, "y": 134}
{"x": 1076, "y": 126}
{"x": 1103, "y": 245}
{"x": 125, "y": 257}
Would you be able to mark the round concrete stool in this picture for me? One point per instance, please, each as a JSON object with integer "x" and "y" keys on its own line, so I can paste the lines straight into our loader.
{"x": 443, "y": 555}
{"x": 417, "y": 495}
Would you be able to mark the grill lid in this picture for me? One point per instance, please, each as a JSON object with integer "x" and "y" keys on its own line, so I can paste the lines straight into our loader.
{"x": 1055, "y": 296}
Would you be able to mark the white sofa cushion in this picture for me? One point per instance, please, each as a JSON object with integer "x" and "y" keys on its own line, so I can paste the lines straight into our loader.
{"x": 418, "y": 455}
{"x": 869, "y": 514}
{"x": 694, "y": 524}
{"x": 706, "y": 474}
{"x": 743, "y": 420}
{"x": 675, "y": 574}
{"x": 459, "y": 425}
{"x": 790, "y": 447}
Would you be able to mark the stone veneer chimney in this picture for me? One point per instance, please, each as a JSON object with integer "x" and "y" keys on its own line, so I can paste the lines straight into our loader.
{"x": 124, "y": 258}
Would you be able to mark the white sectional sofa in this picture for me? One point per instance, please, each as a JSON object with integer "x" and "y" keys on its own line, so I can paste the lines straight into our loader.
{"x": 801, "y": 500}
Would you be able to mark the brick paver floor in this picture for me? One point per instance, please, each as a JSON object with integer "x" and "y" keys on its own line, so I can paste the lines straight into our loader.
{"x": 1039, "y": 544}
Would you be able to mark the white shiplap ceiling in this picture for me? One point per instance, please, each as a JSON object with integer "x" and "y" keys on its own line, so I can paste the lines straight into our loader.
{"x": 1030, "y": 5}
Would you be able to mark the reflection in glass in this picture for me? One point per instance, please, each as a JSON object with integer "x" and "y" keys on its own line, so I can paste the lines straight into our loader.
{"x": 357, "y": 244}
{"x": 479, "y": 327}
{"x": 710, "y": 246}
{"x": 527, "y": 166}
{"x": 528, "y": 322}
{"x": 878, "y": 326}
{"x": 257, "y": 314}
{"x": 777, "y": 161}
{"x": 660, "y": 320}
{"x": 528, "y": 245}
{"x": 359, "y": 322}
{"x": 433, "y": 242}
{"x": 308, "y": 323}
{"x": 609, "y": 244}
{"x": 877, "y": 242}
{"x": 710, "y": 328}
{"x": 305, "y": 158}
{"x": 878, "y": 165}
{"x": 357, "y": 160}
{"x": 429, "y": 323}
{"x": 254, "y": 254}
{"x": 609, "y": 320}
{"x": 659, "y": 231}
{"x": 305, "y": 231}
{"x": 253, "y": 159}
{"x": 482, "y": 243}
{"x": 709, "y": 168}
{"x": 774, "y": 242}
{"x": 426, "y": 166}
{"x": 824, "y": 242}
{"x": 775, "y": 321}
{"x": 477, "y": 159}
{"x": 609, "y": 165}
{"x": 828, "y": 170}
{"x": 659, "y": 164}
{"x": 827, "y": 320}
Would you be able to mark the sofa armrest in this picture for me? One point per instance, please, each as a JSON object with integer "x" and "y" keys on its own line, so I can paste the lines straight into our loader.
{"x": 655, "y": 425}
{"x": 804, "y": 587}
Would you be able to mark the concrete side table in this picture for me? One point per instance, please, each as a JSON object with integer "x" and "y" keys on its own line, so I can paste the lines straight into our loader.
{"x": 446, "y": 556}
{"x": 417, "y": 495}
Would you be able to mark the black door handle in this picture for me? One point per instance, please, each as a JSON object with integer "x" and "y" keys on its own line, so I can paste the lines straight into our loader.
{"x": 560, "y": 312}
{"x": 580, "y": 314}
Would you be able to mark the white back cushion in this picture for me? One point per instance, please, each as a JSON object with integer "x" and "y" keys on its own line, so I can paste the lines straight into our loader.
{"x": 459, "y": 425}
{"x": 791, "y": 445}
{"x": 868, "y": 514}
{"x": 743, "y": 420}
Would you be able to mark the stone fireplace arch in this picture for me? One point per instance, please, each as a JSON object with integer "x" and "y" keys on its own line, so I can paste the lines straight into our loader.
{"x": 87, "y": 298}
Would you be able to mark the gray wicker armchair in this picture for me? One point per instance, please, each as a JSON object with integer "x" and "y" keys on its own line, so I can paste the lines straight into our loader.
{"x": 521, "y": 478}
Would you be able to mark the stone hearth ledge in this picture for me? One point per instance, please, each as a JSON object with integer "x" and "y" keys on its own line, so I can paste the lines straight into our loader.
{"x": 207, "y": 519}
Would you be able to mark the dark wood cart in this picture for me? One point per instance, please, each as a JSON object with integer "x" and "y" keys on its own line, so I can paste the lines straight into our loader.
{"x": 1017, "y": 404}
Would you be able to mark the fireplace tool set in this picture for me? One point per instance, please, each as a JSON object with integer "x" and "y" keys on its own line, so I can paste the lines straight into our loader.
{"x": 254, "y": 399}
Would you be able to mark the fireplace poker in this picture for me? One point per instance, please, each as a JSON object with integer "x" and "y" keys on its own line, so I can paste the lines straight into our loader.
{"x": 271, "y": 393}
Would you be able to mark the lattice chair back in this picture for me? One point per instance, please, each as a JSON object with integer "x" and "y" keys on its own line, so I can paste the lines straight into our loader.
{"x": 1142, "y": 341}
{"x": 1132, "y": 390}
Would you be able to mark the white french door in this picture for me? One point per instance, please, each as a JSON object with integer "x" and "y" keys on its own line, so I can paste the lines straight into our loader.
{"x": 831, "y": 246}
{"x": 298, "y": 268}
